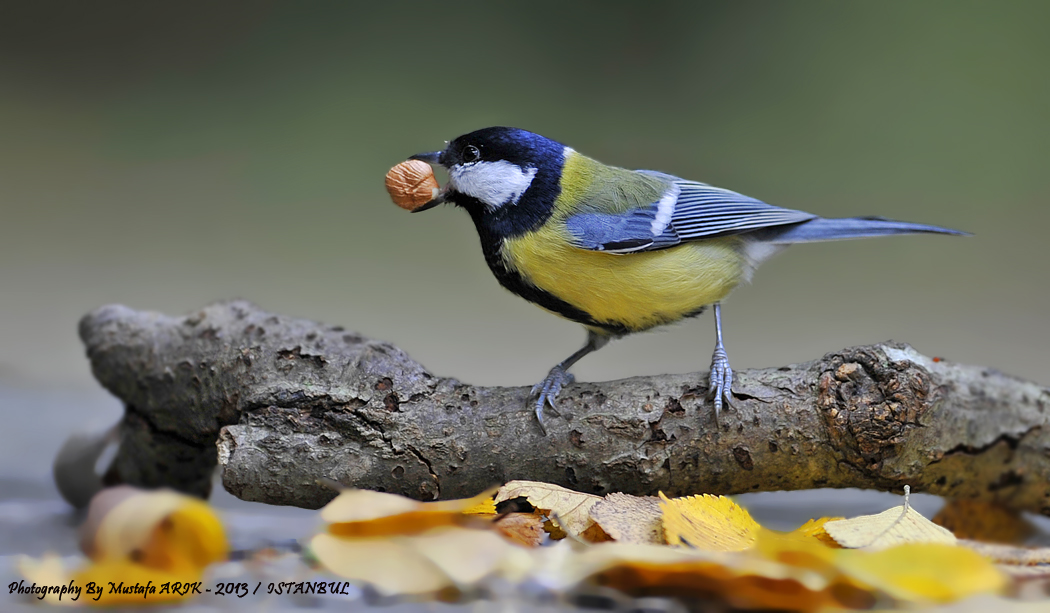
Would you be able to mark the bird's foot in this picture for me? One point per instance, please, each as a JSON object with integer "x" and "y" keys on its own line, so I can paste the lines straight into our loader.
{"x": 721, "y": 385}
{"x": 546, "y": 392}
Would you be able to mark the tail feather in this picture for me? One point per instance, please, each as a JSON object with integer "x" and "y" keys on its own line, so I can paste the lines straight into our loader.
{"x": 821, "y": 229}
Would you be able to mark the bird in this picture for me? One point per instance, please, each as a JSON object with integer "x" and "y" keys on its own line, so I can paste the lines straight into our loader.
{"x": 619, "y": 251}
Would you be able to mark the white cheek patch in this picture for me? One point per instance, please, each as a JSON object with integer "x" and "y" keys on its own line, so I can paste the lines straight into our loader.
{"x": 493, "y": 183}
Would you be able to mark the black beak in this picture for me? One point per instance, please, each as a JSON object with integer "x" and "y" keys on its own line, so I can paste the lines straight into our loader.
{"x": 434, "y": 157}
{"x": 433, "y": 203}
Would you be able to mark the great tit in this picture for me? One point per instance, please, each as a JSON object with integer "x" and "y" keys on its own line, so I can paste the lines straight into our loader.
{"x": 619, "y": 250}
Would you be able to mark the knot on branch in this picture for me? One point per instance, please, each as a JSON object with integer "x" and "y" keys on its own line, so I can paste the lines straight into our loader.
{"x": 870, "y": 403}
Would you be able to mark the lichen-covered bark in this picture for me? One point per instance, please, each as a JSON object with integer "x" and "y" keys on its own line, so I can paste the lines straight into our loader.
{"x": 291, "y": 401}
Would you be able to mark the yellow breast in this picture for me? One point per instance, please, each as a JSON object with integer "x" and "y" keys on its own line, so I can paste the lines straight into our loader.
{"x": 636, "y": 290}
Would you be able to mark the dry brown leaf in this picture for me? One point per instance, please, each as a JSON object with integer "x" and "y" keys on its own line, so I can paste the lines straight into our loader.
{"x": 711, "y": 523}
{"x": 895, "y": 526}
{"x": 630, "y": 519}
{"x": 595, "y": 534}
{"x": 980, "y": 520}
{"x": 523, "y": 528}
{"x": 571, "y": 509}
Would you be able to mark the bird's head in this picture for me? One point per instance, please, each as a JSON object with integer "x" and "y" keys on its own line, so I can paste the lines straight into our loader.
{"x": 493, "y": 168}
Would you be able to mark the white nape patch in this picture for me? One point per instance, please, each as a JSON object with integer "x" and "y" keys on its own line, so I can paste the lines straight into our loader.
{"x": 756, "y": 252}
{"x": 664, "y": 210}
{"x": 493, "y": 183}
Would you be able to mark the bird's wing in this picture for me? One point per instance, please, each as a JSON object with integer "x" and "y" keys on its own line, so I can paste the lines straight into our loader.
{"x": 687, "y": 211}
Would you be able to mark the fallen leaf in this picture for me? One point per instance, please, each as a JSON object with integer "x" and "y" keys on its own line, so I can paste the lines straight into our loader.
{"x": 485, "y": 507}
{"x": 814, "y": 528}
{"x": 390, "y": 564}
{"x": 353, "y": 505}
{"x": 712, "y": 523}
{"x": 49, "y": 570}
{"x": 465, "y": 556}
{"x": 137, "y": 537}
{"x": 796, "y": 549}
{"x": 741, "y": 579}
{"x": 160, "y": 529}
{"x": 980, "y": 520}
{"x": 630, "y": 519}
{"x": 1011, "y": 555}
{"x": 364, "y": 514}
{"x": 523, "y": 528}
{"x": 923, "y": 572}
{"x": 895, "y": 526}
{"x": 571, "y": 510}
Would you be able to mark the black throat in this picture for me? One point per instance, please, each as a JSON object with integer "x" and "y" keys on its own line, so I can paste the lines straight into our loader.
{"x": 532, "y": 211}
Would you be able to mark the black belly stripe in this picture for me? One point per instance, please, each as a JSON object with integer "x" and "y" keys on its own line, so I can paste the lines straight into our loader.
{"x": 516, "y": 283}
{"x": 508, "y": 222}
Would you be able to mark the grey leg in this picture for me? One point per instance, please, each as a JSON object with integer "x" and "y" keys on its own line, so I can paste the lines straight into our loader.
{"x": 545, "y": 392}
{"x": 721, "y": 374}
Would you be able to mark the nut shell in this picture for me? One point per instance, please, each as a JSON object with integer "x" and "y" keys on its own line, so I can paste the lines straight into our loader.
{"x": 411, "y": 184}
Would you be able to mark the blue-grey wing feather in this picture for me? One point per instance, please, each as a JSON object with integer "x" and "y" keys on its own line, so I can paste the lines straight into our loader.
{"x": 704, "y": 210}
{"x": 699, "y": 211}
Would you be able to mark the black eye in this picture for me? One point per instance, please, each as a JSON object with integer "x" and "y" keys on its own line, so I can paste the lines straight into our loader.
{"x": 471, "y": 154}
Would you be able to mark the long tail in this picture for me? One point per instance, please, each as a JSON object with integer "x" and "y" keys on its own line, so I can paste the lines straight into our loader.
{"x": 821, "y": 229}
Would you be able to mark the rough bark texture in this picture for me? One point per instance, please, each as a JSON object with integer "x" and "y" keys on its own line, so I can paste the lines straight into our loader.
{"x": 289, "y": 401}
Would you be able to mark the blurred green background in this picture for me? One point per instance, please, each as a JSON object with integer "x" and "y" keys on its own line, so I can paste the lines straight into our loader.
{"x": 165, "y": 155}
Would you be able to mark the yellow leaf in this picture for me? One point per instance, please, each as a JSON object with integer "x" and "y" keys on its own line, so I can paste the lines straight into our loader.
{"x": 190, "y": 537}
{"x": 405, "y": 524}
{"x": 892, "y": 527}
{"x": 485, "y": 507}
{"x": 712, "y": 523}
{"x": 794, "y": 548}
{"x": 571, "y": 509}
{"x": 159, "y": 529}
{"x": 365, "y": 514}
{"x": 630, "y": 519}
{"x": 923, "y": 572}
{"x": 814, "y": 528}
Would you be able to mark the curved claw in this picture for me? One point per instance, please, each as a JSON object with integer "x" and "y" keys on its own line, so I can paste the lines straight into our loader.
{"x": 546, "y": 391}
{"x": 721, "y": 385}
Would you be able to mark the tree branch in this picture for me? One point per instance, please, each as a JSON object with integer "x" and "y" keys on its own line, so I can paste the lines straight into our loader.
{"x": 289, "y": 401}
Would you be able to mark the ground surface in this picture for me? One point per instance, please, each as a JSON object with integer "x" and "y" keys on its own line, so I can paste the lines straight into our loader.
{"x": 34, "y": 520}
